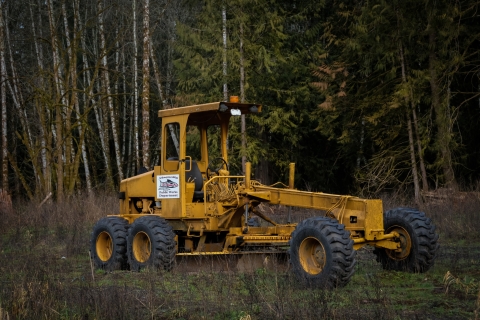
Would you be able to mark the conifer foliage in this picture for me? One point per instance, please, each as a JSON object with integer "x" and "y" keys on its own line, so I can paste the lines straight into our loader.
{"x": 365, "y": 96}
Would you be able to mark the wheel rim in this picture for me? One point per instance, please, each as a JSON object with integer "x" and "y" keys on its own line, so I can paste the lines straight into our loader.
{"x": 104, "y": 246}
{"x": 142, "y": 247}
{"x": 405, "y": 244}
{"x": 312, "y": 255}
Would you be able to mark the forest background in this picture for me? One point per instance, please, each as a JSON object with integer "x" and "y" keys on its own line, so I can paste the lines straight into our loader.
{"x": 365, "y": 96}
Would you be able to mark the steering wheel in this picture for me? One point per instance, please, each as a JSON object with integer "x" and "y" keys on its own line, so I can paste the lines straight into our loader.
{"x": 216, "y": 165}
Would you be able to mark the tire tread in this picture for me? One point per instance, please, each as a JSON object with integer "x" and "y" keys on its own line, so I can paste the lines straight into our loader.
{"x": 341, "y": 246}
{"x": 424, "y": 241}
{"x": 163, "y": 243}
{"x": 117, "y": 228}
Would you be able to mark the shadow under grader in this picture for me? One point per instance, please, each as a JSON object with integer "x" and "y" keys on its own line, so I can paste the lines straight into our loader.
{"x": 244, "y": 262}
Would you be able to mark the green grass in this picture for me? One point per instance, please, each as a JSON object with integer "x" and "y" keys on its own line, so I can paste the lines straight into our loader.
{"x": 40, "y": 283}
{"x": 45, "y": 273}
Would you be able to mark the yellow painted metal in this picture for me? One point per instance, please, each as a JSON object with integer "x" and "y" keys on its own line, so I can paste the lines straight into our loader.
{"x": 291, "y": 175}
{"x": 189, "y": 189}
{"x": 373, "y": 220}
{"x": 225, "y": 252}
{"x": 387, "y": 244}
{"x": 348, "y": 210}
{"x": 229, "y": 200}
{"x": 134, "y": 189}
{"x": 405, "y": 244}
{"x": 262, "y": 239}
{"x": 263, "y": 195}
{"x": 142, "y": 247}
{"x": 280, "y": 230}
{"x": 312, "y": 255}
{"x": 248, "y": 173}
{"x": 104, "y": 246}
{"x": 167, "y": 113}
{"x": 224, "y": 132}
{"x": 203, "y": 108}
{"x": 386, "y": 241}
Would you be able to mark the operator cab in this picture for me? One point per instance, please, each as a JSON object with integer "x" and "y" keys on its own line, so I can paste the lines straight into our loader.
{"x": 194, "y": 148}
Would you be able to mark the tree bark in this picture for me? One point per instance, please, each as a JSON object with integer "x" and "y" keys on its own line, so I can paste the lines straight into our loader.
{"x": 89, "y": 84}
{"x": 135, "y": 88}
{"x": 442, "y": 121}
{"x": 146, "y": 86}
{"x": 3, "y": 93}
{"x": 58, "y": 70}
{"x": 419, "y": 149}
{"x": 81, "y": 130}
{"x": 224, "y": 34}
{"x": 411, "y": 144}
{"x": 243, "y": 124}
{"x": 71, "y": 83}
{"x": 106, "y": 88}
{"x": 43, "y": 113}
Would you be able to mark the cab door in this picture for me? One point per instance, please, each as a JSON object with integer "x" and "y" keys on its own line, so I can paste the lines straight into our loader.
{"x": 170, "y": 176}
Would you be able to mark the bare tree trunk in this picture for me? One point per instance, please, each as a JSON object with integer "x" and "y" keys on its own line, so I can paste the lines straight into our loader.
{"x": 21, "y": 110}
{"x": 442, "y": 120}
{"x": 412, "y": 158}
{"x": 16, "y": 93}
{"x": 169, "y": 72}
{"x": 3, "y": 93}
{"x": 106, "y": 87}
{"x": 419, "y": 150}
{"x": 57, "y": 67}
{"x": 243, "y": 124}
{"x": 360, "y": 156}
{"x": 168, "y": 102}
{"x": 73, "y": 180}
{"x": 126, "y": 140}
{"x": 70, "y": 164}
{"x": 49, "y": 123}
{"x": 156, "y": 72}
{"x": 88, "y": 96}
{"x": 44, "y": 114}
{"x": 411, "y": 143}
{"x": 135, "y": 89}
{"x": 146, "y": 86}
{"x": 224, "y": 32}
{"x": 81, "y": 130}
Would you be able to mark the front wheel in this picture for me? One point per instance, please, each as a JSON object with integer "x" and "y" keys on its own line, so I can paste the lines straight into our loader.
{"x": 151, "y": 242}
{"x": 108, "y": 243}
{"x": 321, "y": 253}
{"x": 417, "y": 239}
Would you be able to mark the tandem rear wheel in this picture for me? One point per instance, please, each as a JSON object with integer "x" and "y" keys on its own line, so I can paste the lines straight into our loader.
{"x": 148, "y": 241}
{"x": 108, "y": 247}
{"x": 151, "y": 242}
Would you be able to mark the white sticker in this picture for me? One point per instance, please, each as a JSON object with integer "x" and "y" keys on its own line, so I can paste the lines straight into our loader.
{"x": 168, "y": 186}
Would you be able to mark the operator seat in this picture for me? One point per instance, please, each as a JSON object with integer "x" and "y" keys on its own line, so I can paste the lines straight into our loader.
{"x": 196, "y": 176}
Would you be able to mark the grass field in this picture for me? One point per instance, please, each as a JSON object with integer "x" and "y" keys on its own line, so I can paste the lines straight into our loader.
{"x": 45, "y": 273}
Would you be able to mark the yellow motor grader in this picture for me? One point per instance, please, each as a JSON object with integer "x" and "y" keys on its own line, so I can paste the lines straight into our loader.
{"x": 191, "y": 205}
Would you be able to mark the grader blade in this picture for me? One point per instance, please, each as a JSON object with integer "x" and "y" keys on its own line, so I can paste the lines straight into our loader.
{"x": 243, "y": 263}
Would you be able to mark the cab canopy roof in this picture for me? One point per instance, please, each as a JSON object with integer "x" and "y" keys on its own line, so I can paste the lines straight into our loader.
{"x": 201, "y": 111}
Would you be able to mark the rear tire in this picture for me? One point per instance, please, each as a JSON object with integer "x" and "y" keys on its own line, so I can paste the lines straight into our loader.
{"x": 151, "y": 242}
{"x": 321, "y": 253}
{"x": 418, "y": 241}
{"x": 108, "y": 245}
